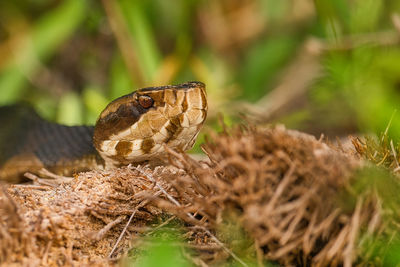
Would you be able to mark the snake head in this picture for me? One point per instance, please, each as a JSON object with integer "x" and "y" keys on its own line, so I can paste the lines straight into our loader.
{"x": 135, "y": 127}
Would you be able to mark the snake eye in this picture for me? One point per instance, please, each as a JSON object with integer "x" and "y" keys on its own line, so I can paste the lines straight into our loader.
{"x": 146, "y": 101}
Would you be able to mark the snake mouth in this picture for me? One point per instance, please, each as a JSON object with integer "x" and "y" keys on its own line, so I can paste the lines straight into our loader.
{"x": 136, "y": 127}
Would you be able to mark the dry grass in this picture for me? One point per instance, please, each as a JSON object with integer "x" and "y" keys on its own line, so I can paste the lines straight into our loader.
{"x": 284, "y": 188}
{"x": 75, "y": 222}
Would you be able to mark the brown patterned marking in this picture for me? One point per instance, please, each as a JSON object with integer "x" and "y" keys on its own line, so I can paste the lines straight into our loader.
{"x": 172, "y": 131}
{"x": 181, "y": 118}
{"x": 184, "y": 104}
{"x": 175, "y": 95}
{"x": 147, "y": 145}
{"x": 124, "y": 148}
{"x": 176, "y": 121}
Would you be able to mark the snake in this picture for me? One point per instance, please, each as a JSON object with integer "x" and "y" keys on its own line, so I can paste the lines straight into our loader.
{"x": 132, "y": 129}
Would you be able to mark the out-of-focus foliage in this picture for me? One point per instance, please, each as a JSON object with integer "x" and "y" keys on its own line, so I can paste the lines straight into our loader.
{"x": 329, "y": 67}
{"x": 163, "y": 248}
{"x": 361, "y": 66}
{"x": 381, "y": 249}
{"x": 70, "y": 58}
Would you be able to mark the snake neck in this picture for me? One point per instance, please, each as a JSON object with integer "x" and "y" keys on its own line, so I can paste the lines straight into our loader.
{"x": 29, "y": 143}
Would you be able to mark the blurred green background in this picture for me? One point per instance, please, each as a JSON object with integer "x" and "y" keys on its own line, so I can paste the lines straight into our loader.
{"x": 320, "y": 66}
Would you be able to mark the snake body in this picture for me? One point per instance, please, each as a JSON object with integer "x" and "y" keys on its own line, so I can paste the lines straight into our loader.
{"x": 131, "y": 129}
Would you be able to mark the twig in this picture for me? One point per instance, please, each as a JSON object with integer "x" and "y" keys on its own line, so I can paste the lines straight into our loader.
{"x": 197, "y": 261}
{"x": 68, "y": 253}
{"x": 49, "y": 174}
{"x": 125, "y": 228}
{"x": 31, "y": 186}
{"x": 305, "y": 69}
{"x": 396, "y": 21}
{"x": 144, "y": 202}
{"x": 46, "y": 252}
{"x": 382, "y": 38}
{"x": 348, "y": 253}
{"x": 213, "y": 247}
{"x": 281, "y": 187}
{"x": 161, "y": 225}
{"x": 394, "y": 154}
{"x": 295, "y": 82}
{"x": 173, "y": 200}
{"x": 56, "y": 179}
{"x": 100, "y": 234}
{"x": 38, "y": 180}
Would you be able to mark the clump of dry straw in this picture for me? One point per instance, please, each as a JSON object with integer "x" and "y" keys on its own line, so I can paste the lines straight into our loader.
{"x": 285, "y": 188}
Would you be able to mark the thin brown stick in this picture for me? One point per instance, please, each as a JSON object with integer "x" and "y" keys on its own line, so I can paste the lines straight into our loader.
{"x": 213, "y": 247}
{"x": 354, "y": 227}
{"x": 161, "y": 225}
{"x": 306, "y": 68}
{"x": 46, "y": 252}
{"x": 174, "y": 201}
{"x": 38, "y": 180}
{"x": 394, "y": 154}
{"x": 126, "y": 227}
{"x": 31, "y": 186}
{"x": 49, "y": 174}
{"x": 281, "y": 187}
{"x": 100, "y": 234}
{"x": 396, "y": 21}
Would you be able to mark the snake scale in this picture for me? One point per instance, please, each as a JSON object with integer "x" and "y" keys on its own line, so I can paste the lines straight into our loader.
{"x": 131, "y": 129}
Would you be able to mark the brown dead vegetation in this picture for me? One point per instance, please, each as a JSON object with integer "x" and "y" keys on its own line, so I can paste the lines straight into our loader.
{"x": 284, "y": 188}
{"x": 72, "y": 222}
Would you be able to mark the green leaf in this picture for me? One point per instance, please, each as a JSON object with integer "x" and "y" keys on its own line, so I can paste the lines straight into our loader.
{"x": 121, "y": 83}
{"x": 141, "y": 32}
{"x": 94, "y": 102}
{"x": 366, "y": 15}
{"x": 164, "y": 250}
{"x": 263, "y": 62}
{"x": 70, "y": 109}
{"x": 45, "y": 38}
